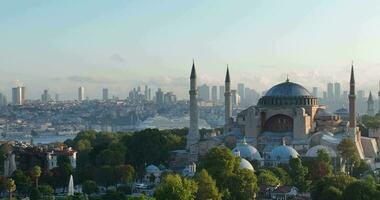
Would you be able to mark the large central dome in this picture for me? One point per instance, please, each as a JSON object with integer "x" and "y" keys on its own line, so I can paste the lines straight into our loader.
{"x": 287, "y": 89}
{"x": 288, "y": 94}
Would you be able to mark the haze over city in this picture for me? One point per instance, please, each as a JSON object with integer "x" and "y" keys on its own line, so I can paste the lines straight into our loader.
{"x": 62, "y": 45}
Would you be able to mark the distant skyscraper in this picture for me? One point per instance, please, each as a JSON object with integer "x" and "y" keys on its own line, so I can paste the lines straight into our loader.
{"x": 204, "y": 92}
{"x": 23, "y": 94}
{"x": 214, "y": 93}
{"x": 325, "y": 95}
{"x": 3, "y": 100}
{"x": 221, "y": 93}
{"x": 45, "y": 97}
{"x": 315, "y": 91}
{"x": 337, "y": 91}
{"x": 56, "y": 97}
{"x": 330, "y": 92}
{"x": 149, "y": 94}
{"x": 361, "y": 95}
{"x": 241, "y": 90}
{"x": 105, "y": 94}
{"x": 235, "y": 98}
{"x": 146, "y": 92}
{"x": 17, "y": 98}
{"x": 170, "y": 98}
{"x": 81, "y": 93}
{"x": 159, "y": 97}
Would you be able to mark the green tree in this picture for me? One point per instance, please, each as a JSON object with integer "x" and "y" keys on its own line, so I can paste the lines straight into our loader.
{"x": 36, "y": 173}
{"x": 242, "y": 185}
{"x": 298, "y": 174}
{"x": 321, "y": 166}
{"x": 360, "y": 169}
{"x": 105, "y": 175}
{"x": 207, "y": 189}
{"x": 46, "y": 190}
{"x": 361, "y": 190}
{"x": 112, "y": 195}
{"x": 319, "y": 190}
{"x": 125, "y": 173}
{"x": 90, "y": 187}
{"x": 331, "y": 193}
{"x": 22, "y": 181}
{"x": 156, "y": 148}
{"x": 35, "y": 194}
{"x": 173, "y": 187}
{"x": 11, "y": 187}
{"x": 267, "y": 177}
{"x": 282, "y": 175}
{"x": 347, "y": 150}
{"x": 220, "y": 164}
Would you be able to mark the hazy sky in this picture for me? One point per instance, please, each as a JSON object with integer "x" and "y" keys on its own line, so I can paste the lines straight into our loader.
{"x": 61, "y": 45}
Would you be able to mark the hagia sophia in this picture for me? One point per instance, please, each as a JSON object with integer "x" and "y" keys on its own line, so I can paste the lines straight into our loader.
{"x": 286, "y": 122}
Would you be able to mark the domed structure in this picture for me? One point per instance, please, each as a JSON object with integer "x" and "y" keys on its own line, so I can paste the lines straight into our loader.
{"x": 313, "y": 152}
{"x": 288, "y": 93}
{"x": 152, "y": 169}
{"x": 283, "y": 153}
{"x": 245, "y": 164}
{"x": 247, "y": 151}
{"x": 287, "y": 89}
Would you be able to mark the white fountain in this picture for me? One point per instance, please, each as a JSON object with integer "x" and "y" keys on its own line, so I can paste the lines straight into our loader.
{"x": 70, "y": 191}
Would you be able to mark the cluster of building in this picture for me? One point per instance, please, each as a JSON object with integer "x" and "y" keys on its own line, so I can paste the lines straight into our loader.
{"x": 25, "y": 156}
{"x": 241, "y": 97}
{"x": 287, "y": 122}
{"x": 334, "y": 98}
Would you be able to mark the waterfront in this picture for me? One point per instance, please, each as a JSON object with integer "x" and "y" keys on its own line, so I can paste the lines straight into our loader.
{"x": 44, "y": 139}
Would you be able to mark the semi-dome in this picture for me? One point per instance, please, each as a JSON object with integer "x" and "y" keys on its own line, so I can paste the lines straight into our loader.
{"x": 313, "y": 152}
{"x": 287, "y": 89}
{"x": 283, "y": 154}
{"x": 245, "y": 164}
{"x": 247, "y": 151}
{"x": 288, "y": 93}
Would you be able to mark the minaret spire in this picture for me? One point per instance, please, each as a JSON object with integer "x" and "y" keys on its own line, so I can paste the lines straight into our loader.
{"x": 227, "y": 101}
{"x": 193, "y": 135}
{"x": 371, "y": 105}
{"x": 227, "y": 79}
{"x": 352, "y": 99}
{"x": 193, "y": 74}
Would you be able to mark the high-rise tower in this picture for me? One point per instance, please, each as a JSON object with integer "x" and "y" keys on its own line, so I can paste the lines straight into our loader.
{"x": 371, "y": 105}
{"x": 81, "y": 93}
{"x": 227, "y": 100}
{"x": 352, "y": 99}
{"x": 193, "y": 135}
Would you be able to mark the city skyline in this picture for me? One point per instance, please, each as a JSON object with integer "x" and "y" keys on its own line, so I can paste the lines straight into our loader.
{"x": 112, "y": 44}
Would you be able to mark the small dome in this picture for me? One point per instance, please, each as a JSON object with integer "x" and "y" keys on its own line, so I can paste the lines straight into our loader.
{"x": 313, "y": 152}
{"x": 283, "y": 154}
{"x": 245, "y": 164}
{"x": 247, "y": 151}
{"x": 287, "y": 89}
{"x": 152, "y": 169}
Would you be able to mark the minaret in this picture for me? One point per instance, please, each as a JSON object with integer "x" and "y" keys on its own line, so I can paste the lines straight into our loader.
{"x": 193, "y": 135}
{"x": 351, "y": 99}
{"x": 371, "y": 105}
{"x": 227, "y": 101}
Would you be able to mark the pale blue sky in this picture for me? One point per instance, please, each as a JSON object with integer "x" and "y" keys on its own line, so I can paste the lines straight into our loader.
{"x": 60, "y": 45}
